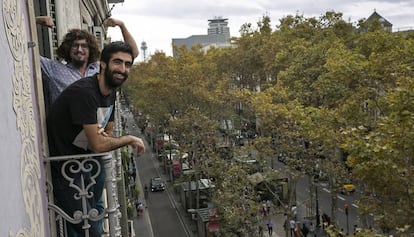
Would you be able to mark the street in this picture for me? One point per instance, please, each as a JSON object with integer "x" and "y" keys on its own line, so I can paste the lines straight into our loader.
{"x": 161, "y": 206}
{"x": 324, "y": 202}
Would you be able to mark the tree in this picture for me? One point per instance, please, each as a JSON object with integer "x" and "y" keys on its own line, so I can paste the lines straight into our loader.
{"x": 382, "y": 158}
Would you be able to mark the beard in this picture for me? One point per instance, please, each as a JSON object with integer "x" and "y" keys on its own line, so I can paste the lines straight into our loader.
{"x": 77, "y": 63}
{"x": 110, "y": 81}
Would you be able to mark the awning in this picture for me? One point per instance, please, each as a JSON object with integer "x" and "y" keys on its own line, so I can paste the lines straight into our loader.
{"x": 213, "y": 226}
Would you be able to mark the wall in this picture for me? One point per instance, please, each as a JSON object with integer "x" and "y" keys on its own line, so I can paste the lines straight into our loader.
{"x": 22, "y": 123}
{"x": 23, "y": 202}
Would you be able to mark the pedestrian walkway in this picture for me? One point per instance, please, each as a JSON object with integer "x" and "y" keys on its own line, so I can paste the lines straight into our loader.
{"x": 278, "y": 220}
{"x": 142, "y": 224}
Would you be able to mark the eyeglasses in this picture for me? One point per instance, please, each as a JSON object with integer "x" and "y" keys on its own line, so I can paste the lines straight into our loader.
{"x": 83, "y": 46}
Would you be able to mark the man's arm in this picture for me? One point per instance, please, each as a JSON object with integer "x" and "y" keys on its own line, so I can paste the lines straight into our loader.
{"x": 101, "y": 143}
{"x": 125, "y": 33}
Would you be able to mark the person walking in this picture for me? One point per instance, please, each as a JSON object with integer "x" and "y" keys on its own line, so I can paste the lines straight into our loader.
{"x": 140, "y": 208}
{"x": 270, "y": 227}
{"x": 292, "y": 224}
{"x": 146, "y": 191}
{"x": 305, "y": 230}
{"x": 312, "y": 230}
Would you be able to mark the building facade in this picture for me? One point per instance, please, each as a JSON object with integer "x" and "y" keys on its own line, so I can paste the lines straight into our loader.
{"x": 26, "y": 204}
{"x": 377, "y": 17}
{"x": 218, "y": 35}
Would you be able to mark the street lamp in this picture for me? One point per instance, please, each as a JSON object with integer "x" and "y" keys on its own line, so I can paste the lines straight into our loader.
{"x": 317, "y": 205}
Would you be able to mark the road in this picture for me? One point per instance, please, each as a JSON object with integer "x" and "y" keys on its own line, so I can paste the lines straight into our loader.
{"x": 325, "y": 202}
{"x": 161, "y": 206}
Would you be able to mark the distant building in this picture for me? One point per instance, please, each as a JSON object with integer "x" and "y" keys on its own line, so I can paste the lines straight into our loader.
{"x": 377, "y": 17}
{"x": 218, "y": 35}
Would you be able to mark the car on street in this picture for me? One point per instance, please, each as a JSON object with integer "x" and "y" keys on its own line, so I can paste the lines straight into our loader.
{"x": 348, "y": 188}
{"x": 157, "y": 184}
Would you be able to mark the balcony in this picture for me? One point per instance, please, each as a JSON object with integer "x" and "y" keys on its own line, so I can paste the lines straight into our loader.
{"x": 82, "y": 173}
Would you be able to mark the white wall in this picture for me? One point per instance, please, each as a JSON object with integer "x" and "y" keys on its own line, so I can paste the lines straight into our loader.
{"x": 22, "y": 192}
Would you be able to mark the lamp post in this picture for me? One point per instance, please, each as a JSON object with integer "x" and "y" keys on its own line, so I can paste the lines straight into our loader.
{"x": 347, "y": 220}
{"x": 317, "y": 205}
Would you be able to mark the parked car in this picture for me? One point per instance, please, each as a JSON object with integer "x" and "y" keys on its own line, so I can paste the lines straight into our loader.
{"x": 157, "y": 184}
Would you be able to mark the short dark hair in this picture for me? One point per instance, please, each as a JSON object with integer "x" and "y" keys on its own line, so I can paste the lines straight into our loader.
{"x": 115, "y": 47}
{"x": 63, "y": 51}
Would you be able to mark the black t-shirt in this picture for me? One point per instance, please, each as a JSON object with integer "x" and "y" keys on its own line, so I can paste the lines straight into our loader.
{"x": 80, "y": 103}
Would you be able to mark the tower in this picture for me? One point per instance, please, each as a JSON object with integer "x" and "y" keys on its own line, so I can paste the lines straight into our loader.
{"x": 144, "y": 50}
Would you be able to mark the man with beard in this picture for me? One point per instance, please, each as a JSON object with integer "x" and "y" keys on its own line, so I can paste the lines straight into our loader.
{"x": 80, "y": 53}
{"x": 81, "y": 122}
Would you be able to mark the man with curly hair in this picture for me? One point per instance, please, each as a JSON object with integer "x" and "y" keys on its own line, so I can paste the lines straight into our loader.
{"x": 78, "y": 57}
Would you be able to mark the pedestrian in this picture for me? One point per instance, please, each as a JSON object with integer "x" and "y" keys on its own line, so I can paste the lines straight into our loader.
{"x": 356, "y": 230}
{"x": 294, "y": 210}
{"x": 298, "y": 231}
{"x": 270, "y": 227}
{"x": 264, "y": 209}
{"x": 140, "y": 209}
{"x": 312, "y": 230}
{"x": 328, "y": 220}
{"x": 79, "y": 57}
{"x": 292, "y": 224}
{"x": 324, "y": 220}
{"x": 268, "y": 205}
{"x": 146, "y": 191}
{"x": 81, "y": 122}
{"x": 305, "y": 230}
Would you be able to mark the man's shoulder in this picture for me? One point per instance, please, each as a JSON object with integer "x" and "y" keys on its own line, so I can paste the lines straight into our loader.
{"x": 93, "y": 68}
{"x": 84, "y": 85}
{"x": 90, "y": 80}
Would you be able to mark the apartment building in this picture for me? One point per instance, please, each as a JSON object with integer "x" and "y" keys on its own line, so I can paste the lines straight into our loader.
{"x": 27, "y": 204}
{"x": 218, "y": 35}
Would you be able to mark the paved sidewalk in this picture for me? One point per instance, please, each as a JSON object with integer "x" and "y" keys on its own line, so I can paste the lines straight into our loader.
{"x": 142, "y": 223}
{"x": 278, "y": 220}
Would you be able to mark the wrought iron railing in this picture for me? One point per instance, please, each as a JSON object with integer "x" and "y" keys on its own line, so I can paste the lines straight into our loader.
{"x": 82, "y": 173}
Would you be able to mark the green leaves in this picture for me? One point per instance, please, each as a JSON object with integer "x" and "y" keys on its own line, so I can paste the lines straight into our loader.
{"x": 322, "y": 93}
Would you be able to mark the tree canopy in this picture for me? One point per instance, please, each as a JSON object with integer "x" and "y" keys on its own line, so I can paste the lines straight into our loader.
{"x": 318, "y": 90}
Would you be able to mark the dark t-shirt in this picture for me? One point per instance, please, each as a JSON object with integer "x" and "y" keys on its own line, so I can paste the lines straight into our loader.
{"x": 80, "y": 103}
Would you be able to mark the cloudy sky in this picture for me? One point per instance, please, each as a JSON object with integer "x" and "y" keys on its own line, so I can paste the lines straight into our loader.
{"x": 158, "y": 21}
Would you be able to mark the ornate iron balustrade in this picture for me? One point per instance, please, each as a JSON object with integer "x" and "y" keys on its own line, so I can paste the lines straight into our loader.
{"x": 81, "y": 173}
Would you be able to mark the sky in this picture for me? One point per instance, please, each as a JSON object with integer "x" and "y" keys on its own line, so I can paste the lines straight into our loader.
{"x": 157, "y": 22}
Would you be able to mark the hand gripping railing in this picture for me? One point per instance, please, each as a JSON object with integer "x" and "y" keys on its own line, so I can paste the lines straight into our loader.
{"x": 81, "y": 174}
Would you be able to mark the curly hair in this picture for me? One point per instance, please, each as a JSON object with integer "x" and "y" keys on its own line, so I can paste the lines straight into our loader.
{"x": 63, "y": 51}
